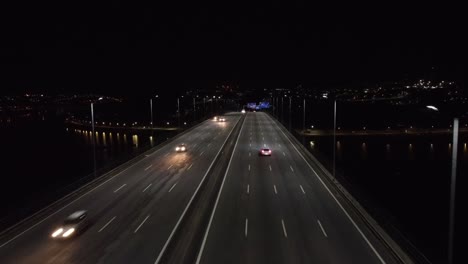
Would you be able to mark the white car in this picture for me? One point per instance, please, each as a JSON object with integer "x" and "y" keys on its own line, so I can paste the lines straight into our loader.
{"x": 265, "y": 152}
{"x": 222, "y": 119}
{"x": 73, "y": 224}
{"x": 181, "y": 148}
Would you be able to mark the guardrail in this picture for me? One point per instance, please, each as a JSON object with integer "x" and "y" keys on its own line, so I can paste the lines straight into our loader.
{"x": 372, "y": 225}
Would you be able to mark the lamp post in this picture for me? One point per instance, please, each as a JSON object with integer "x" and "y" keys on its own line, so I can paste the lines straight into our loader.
{"x": 152, "y": 120}
{"x": 94, "y": 135}
{"x": 282, "y": 109}
{"x": 178, "y": 111}
{"x": 453, "y": 186}
{"x": 334, "y": 139}
{"x": 194, "y": 115}
{"x": 290, "y": 97}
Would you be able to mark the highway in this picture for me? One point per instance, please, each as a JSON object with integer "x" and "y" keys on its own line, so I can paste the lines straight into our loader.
{"x": 277, "y": 210}
{"x": 133, "y": 213}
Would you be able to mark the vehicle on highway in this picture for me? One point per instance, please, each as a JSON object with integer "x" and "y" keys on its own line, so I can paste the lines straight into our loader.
{"x": 181, "y": 148}
{"x": 265, "y": 152}
{"x": 215, "y": 118}
{"x": 243, "y": 111}
{"x": 222, "y": 119}
{"x": 73, "y": 225}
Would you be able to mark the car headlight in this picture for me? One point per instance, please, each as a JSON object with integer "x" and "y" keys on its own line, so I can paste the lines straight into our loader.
{"x": 57, "y": 232}
{"x": 177, "y": 149}
{"x": 69, "y": 232}
{"x": 183, "y": 149}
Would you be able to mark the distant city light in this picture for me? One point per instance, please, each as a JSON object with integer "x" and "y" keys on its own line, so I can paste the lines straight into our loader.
{"x": 432, "y": 107}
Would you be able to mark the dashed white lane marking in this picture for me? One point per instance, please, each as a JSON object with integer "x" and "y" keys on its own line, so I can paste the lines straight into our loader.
{"x": 110, "y": 221}
{"x": 170, "y": 167}
{"x": 270, "y": 167}
{"x": 284, "y": 154}
{"x": 172, "y": 187}
{"x": 302, "y": 189}
{"x": 136, "y": 230}
{"x": 284, "y": 229}
{"x": 119, "y": 188}
{"x": 202, "y": 153}
{"x": 147, "y": 168}
{"x": 248, "y": 188}
{"x": 147, "y": 187}
{"x": 250, "y": 144}
{"x": 279, "y": 145}
{"x": 209, "y": 145}
{"x": 249, "y": 167}
{"x": 190, "y": 166}
{"x": 263, "y": 138}
{"x": 249, "y": 154}
{"x": 166, "y": 154}
{"x": 274, "y": 187}
{"x": 321, "y": 227}
{"x": 264, "y": 145}
{"x": 246, "y": 226}
{"x": 291, "y": 168}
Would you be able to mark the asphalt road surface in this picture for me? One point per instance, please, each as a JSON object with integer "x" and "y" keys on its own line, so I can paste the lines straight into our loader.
{"x": 277, "y": 210}
{"x": 133, "y": 213}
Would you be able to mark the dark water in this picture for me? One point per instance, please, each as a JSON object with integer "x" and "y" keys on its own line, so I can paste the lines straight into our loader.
{"x": 43, "y": 160}
{"x": 403, "y": 180}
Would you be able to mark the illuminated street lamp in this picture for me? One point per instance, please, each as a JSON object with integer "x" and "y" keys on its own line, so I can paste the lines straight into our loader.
{"x": 94, "y": 134}
{"x": 151, "y": 107}
{"x": 453, "y": 185}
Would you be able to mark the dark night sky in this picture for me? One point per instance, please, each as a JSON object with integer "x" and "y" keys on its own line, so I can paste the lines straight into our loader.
{"x": 124, "y": 48}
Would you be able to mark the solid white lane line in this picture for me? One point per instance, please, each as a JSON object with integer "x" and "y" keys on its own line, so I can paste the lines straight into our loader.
{"x": 147, "y": 187}
{"x": 190, "y": 166}
{"x": 274, "y": 187}
{"x": 136, "y": 230}
{"x": 102, "y": 228}
{"x": 291, "y": 168}
{"x": 120, "y": 188}
{"x": 147, "y": 168}
{"x": 284, "y": 229}
{"x": 284, "y": 154}
{"x": 302, "y": 189}
{"x": 73, "y": 201}
{"x": 172, "y": 187}
{"x": 202, "y": 153}
{"x": 166, "y": 154}
{"x": 246, "y": 226}
{"x": 336, "y": 200}
{"x": 321, "y": 227}
{"x": 200, "y": 253}
{"x": 170, "y": 167}
{"x": 270, "y": 167}
{"x": 248, "y": 188}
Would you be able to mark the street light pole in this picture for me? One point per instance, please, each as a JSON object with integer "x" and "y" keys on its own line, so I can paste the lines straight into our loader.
{"x": 178, "y": 111}
{"x": 290, "y": 113}
{"x": 282, "y": 109}
{"x": 334, "y": 139}
{"x": 452, "y": 191}
{"x": 94, "y": 138}
{"x": 303, "y": 115}
{"x": 194, "y": 115}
